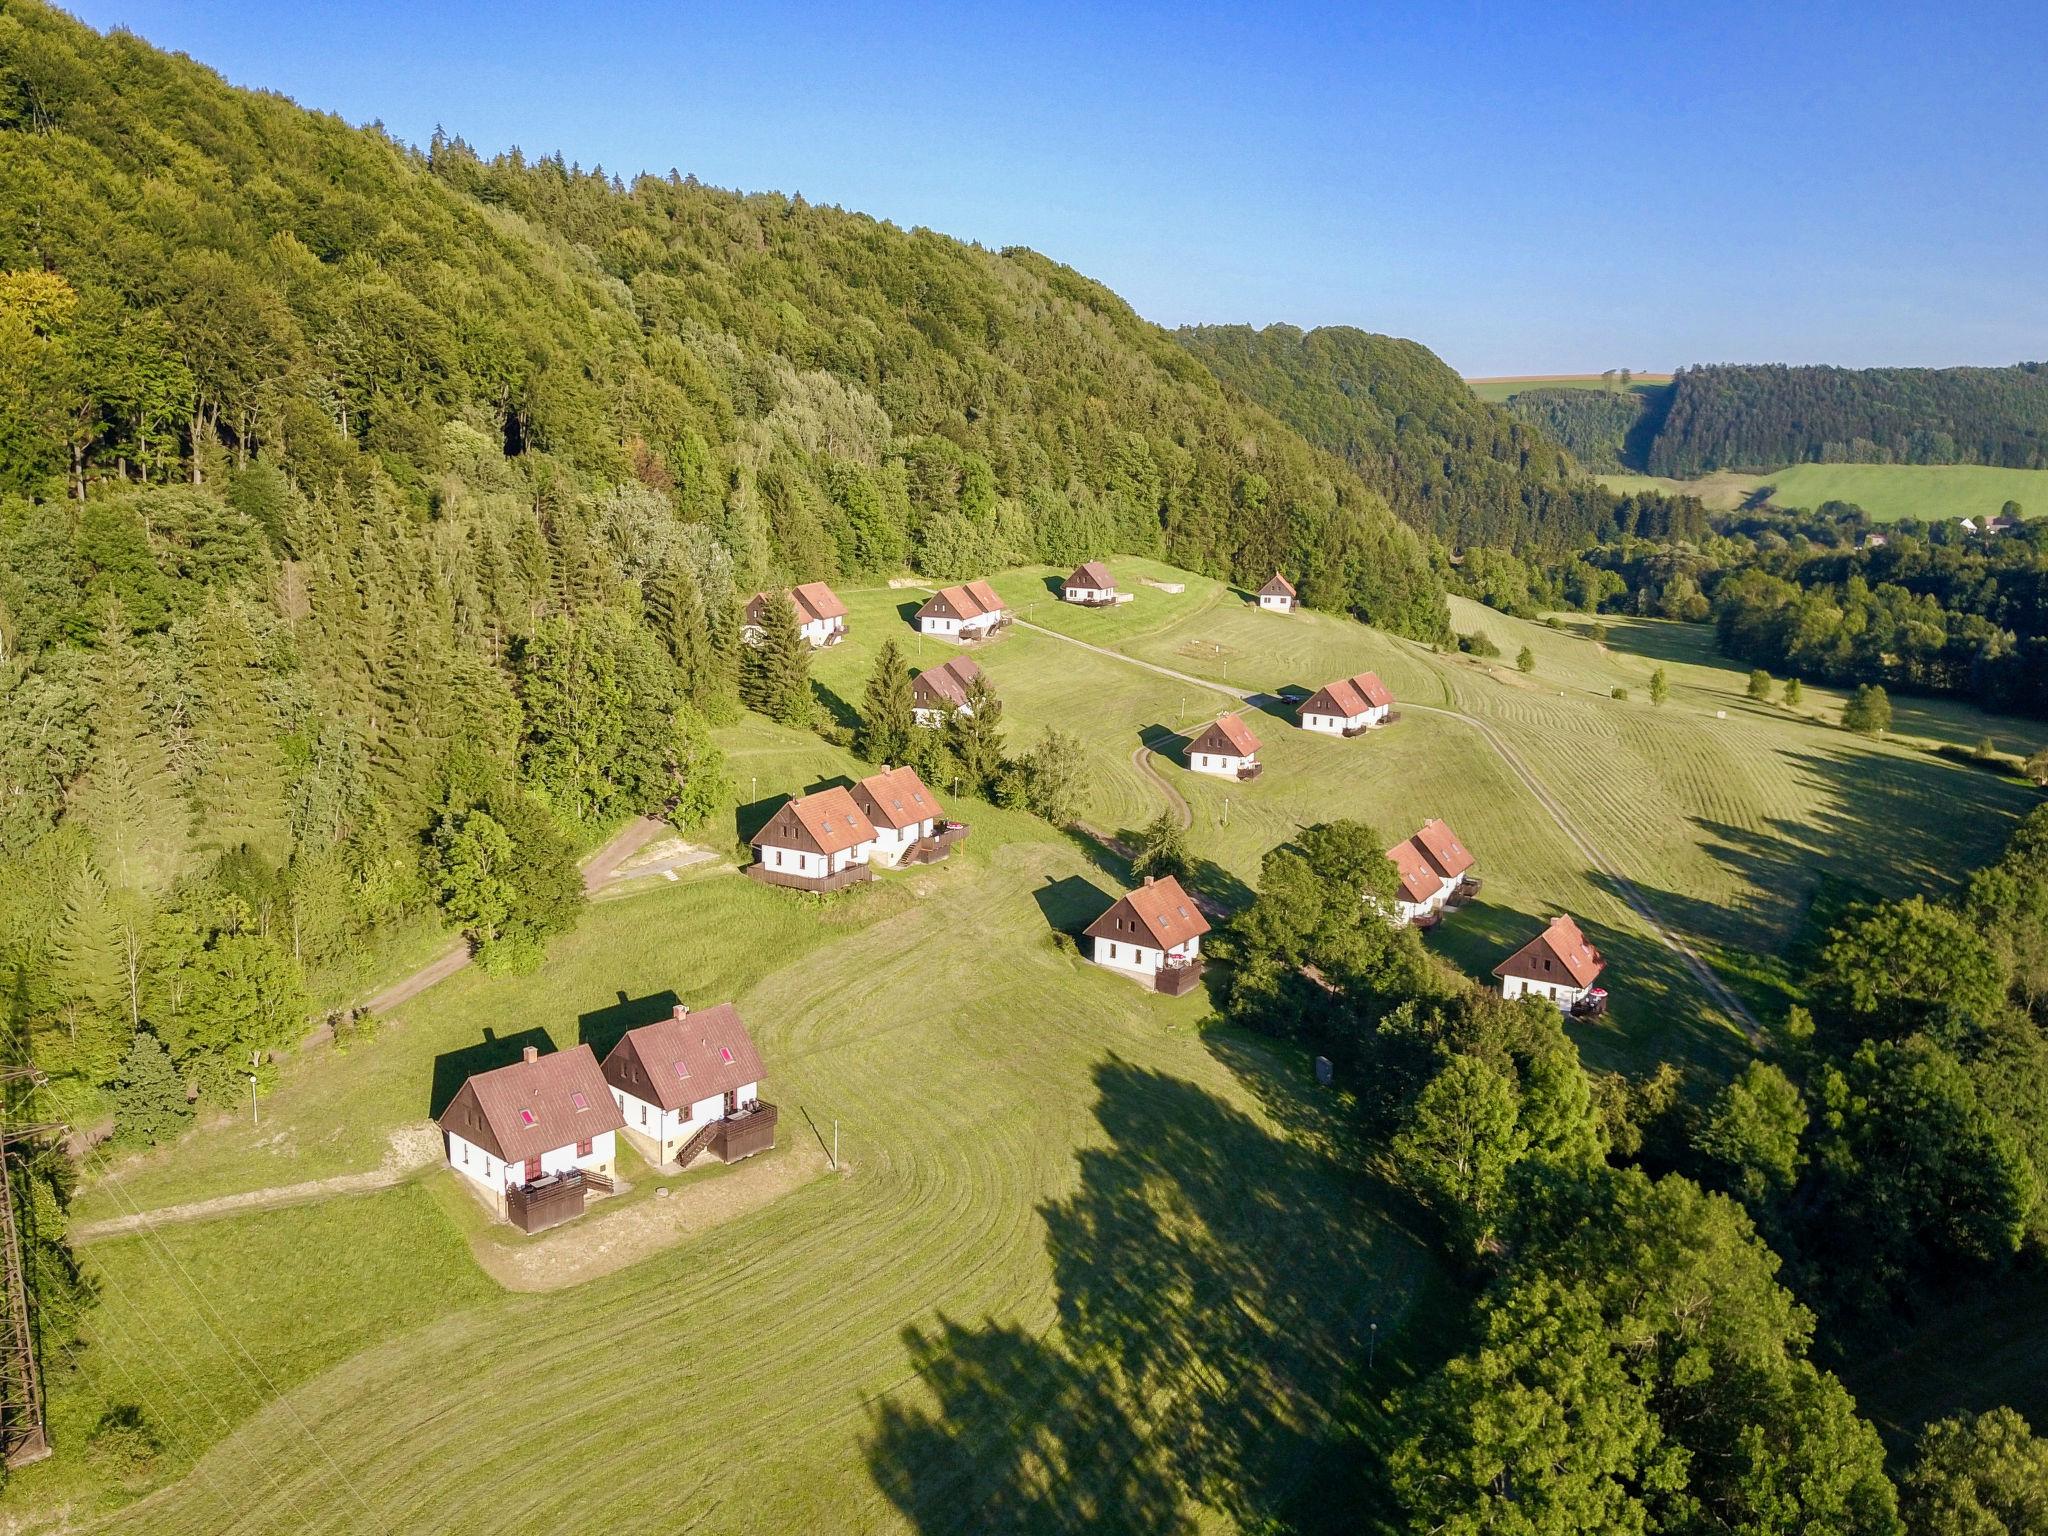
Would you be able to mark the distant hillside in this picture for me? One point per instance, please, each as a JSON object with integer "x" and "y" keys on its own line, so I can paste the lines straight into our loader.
{"x": 1463, "y": 470}
{"x": 1603, "y": 429}
{"x": 1767, "y": 416}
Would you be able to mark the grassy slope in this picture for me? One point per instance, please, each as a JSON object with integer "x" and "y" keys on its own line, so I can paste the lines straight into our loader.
{"x": 1887, "y": 492}
{"x": 1032, "y": 1142}
{"x": 1500, "y": 389}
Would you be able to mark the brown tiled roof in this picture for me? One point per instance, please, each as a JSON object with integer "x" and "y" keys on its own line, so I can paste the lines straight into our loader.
{"x": 1418, "y": 881}
{"x": 1158, "y": 913}
{"x": 968, "y": 601}
{"x": 822, "y": 823}
{"x": 1451, "y": 857}
{"x": 815, "y": 600}
{"x": 1279, "y": 586}
{"x": 812, "y": 600}
{"x": 686, "y": 1057}
{"x": 1093, "y": 574}
{"x": 1350, "y": 697}
{"x": 896, "y": 798}
{"x": 1226, "y": 736}
{"x": 1560, "y": 950}
{"x": 944, "y": 686}
{"x": 536, "y": 1106}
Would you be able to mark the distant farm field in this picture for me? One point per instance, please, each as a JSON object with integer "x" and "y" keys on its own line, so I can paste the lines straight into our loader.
{"x": 1093, "y": 1262}
{"x": 1887, "y": 492}
{"x": 1498, "y": 389}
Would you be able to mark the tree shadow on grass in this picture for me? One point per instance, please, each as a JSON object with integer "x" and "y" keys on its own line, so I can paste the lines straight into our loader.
{"x": 454, "y": 1068}
{"x": 1216, "y": 1285}
{"x": 1662, "y": 640}
{"x": 843, "y": 714}
{"x": 601, "y": 1028}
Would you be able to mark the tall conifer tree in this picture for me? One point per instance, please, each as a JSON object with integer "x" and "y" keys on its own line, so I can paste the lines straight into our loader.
{"x": 888, "y": 714}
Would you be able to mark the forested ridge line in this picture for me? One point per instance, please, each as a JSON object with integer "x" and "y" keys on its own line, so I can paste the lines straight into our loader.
{"x": 1465, "y": 471}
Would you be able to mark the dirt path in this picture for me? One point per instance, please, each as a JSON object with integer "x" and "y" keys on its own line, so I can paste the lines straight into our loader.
{"x": 1175, "y": 802}
{"x": 1715, "y": 988}
{"x": 600, "y": 868}
{"x": 607, "y": 1241}
{"x": 413, "y": 1147}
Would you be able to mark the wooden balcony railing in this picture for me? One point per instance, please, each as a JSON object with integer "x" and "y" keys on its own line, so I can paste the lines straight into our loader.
{"x": 742, "y": 1135}
{"x": 1177, "y": 978}
{"x": 838, "y": 880}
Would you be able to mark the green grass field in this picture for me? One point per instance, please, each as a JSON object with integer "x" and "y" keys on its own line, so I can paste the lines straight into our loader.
{"x": 1090, "y": 1264}
{"x": 1499, "y": 389}
{"x": 1887, "y": 492}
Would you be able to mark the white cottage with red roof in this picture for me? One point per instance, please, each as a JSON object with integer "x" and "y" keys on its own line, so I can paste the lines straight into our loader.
{"x": 1225, "y": 747}
{"x": 1430, "y": 867}
{"x": 689, "y": 1083}
{"x": 1153, "y": 933}
{"x": 971, "y": 611}
{"x": 816, "y": 842}
{"x": 1558, "y": 964}
{"x": 1277, "y": 595}
{"x": 939, "y": 693}
{"x": 1092, "y": 586}
{"x": 820, "y": 615}
{"x": 1347, "y": 707}
{"x": 530, "y": 1136}
{"x": 910, "y": 825}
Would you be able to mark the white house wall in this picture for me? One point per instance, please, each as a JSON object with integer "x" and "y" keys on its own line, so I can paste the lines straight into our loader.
{"x": 1142, "y": 959}
{"x": 1211, "y": 762}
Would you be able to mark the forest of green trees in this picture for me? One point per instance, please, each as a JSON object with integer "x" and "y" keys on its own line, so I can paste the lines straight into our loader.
{"x": 1463, "y": 471}
{"x": 1603, "y": 429}
{"x": 1765, "y": 417}
{"x": 1658, "y": 1281}
{"x": 374, "y": 523}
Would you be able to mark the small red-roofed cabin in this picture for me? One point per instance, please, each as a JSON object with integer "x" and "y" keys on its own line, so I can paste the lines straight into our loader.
{"x": 818, "y": 842}
{"x": 1277, "y": 595}
{"x": 1153, "y": 933}
{"x": 1429, "y": 869}
{"x": 820, "y": 615}
{"x": 939, "y": 693}
{"x": 1092, "y": 586}
{"x": 691, "y": 1083}
{"x": 532, "y": 1137}
{"x": 1347, "y": 707}
{"x": 1225, "y": 747}
{"x": 971, "y": 611}
{"x": 910, "y": 824}
{"x": 1558, "y": 964}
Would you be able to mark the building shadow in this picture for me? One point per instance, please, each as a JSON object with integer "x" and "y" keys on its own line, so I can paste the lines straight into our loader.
{"x": 454, "y": 1068}
{"x": 751, "y": 816}
{"x": 601, "y": 1028}
{"x": 1069, "y": 905}
{"x": 907, "y": 611}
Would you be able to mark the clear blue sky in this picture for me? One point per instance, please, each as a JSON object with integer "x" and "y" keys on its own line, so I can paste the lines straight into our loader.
{"x": 1529, "y": 187}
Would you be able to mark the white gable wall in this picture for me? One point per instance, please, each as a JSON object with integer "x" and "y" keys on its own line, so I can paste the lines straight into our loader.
{"x": 1218, "y": 763}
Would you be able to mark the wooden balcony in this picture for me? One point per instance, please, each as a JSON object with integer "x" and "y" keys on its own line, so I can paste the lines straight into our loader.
{"x": 546, "y": 1202}
{"x": 1177, "y": 978}
{"x": 930, "y": 850}
{"x": 1092, "y": 602}
{"x": 838, "y": 880}
{"x": 742, "y": 1135}
{"x": 1464, "y": 891}
{"x": 1250, "y": 771}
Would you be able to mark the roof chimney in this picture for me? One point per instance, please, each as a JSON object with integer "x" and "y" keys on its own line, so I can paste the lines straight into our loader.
{"x": 682, "y": 1011}
{"x": 1150, "y": 878}
{"x": 530, "y": 1053}
{"x": 885, "y": 767}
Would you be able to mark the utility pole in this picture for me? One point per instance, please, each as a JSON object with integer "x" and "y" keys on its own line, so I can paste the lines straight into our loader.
{"x": 254, "y": 1058}
{"x": 835, "y": 1146}
{"x": 24, "y": 1437}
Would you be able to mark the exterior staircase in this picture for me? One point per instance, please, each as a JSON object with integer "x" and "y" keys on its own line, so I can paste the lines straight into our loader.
{"x": 695, "y": 1144}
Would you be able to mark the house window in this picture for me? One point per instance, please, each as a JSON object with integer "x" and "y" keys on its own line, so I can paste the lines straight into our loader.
{"x": 487, "y": 1169}
{"x": 528, "y": 1119}
{"x": 725, "y": 1054}
{"x": 643, "y": 1114}
{"x": 465, "y": 1154}
{"x": 579, "y": 1101}
{"x": 583, "y": 1147}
